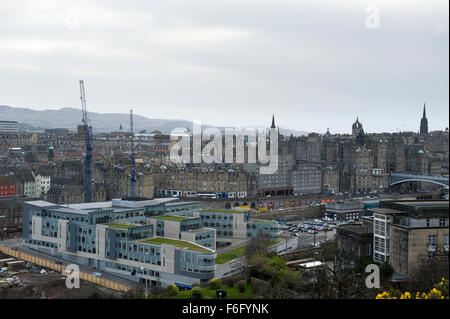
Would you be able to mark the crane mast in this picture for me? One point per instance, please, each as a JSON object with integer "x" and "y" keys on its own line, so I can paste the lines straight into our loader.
{"x": 133, "y": 164}
{"x": 88, "y": 139}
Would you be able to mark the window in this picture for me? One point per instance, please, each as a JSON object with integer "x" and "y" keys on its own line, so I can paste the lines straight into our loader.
{"x": 432, "y": 240}
{"x": 442, "y": 222}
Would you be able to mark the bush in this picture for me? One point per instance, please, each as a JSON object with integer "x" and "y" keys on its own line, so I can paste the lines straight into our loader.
{"x": 197, "y": 293}
{"x": 215, "y": 283}
{"x": 172, "y": 290}
{"x": 229, "y": 282}
{"x": 241, "y": 285}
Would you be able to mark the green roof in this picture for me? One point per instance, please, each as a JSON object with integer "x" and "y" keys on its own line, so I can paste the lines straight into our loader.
{"x": 171, "y": 218}
{"x": 177, "y": 243}
{"x": 230, "y": 255}
{"x": 121, "y": 226}
{"x": 229, "y": 211}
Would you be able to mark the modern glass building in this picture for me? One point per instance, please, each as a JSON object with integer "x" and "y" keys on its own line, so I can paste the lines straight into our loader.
{"x": 139, "y": 239}
{"x": 119, "y": 237}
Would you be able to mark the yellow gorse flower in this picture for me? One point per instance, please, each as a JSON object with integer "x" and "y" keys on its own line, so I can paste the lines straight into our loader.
{"x": 441, "y": 293}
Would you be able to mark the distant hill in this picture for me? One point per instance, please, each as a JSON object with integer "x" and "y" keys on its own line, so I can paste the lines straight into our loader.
{"x": 71, "y": 117}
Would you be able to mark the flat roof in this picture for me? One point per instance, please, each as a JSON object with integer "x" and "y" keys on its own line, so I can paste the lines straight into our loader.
{"x": 140, "y": 203}
{"x": 228, "y": 211}
{"x": 388, "y": 211}
{"x": 181, "y": 203}
{"x": 41, "y": 203}
{"x": 68, "y": 210}
{"x": 199, "y": 230}
{"x": 424, "y": 203}
{"x": 171, "y": 218}
{"x": 121, "y": 225}
{"x": 94, "y": 205}
{"x": 181, "y": 244}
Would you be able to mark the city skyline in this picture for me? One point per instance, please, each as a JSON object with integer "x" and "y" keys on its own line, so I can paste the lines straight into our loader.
{"x": 241, "y": 62}
{"x": 284, "y": 129}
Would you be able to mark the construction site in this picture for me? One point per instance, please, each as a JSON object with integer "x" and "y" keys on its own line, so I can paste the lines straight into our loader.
{"x": 20, "y": 279}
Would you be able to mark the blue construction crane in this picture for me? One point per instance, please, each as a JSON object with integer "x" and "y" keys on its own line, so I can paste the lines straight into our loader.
{"x": 133, "y": 163}
{"x": 88, "y": 139}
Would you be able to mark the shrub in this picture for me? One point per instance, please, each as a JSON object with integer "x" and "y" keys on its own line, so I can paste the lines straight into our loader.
{"x": 229, "y": 282}
{"x": 172, "y": 290}
{"x": 197, "y": 293}
{"x": 241, "y": 285}
{"x": 215, "y": 283}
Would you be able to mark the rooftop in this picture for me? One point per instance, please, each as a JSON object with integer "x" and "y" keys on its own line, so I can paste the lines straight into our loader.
{"x": 171, "y": 218}
{"x": 121, "y": 225}
{"x": 387, "y": 211}
{"x": 180, "y": 244}
{"x": 181, "y": 203}
{"x": 227, "y": 211}
{"x": 41, "y": 203}
{"x": 199, "y": 230}
{"x": 424, "y": 203}
{"x": 67, "y": 210}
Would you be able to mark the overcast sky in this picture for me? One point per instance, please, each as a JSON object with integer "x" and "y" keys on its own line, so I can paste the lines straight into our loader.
{"x": 315, "y": 64}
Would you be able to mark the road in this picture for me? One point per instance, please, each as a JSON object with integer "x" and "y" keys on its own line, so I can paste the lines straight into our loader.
{"x": 306, "y": 239}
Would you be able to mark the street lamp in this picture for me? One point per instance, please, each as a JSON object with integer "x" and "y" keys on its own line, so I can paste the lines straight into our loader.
{"x": 146, "y": 295}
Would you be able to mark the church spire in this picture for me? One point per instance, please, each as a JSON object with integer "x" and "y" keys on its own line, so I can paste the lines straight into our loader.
{"x": 273, "y": 121}
{"x": 424, "y": 122}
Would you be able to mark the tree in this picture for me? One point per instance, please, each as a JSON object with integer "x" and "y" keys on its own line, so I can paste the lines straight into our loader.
{"x": 215, "y": 283}
{"x": 197, "y": 293}
{"x": 257, "y": 246}
{"x": 340, "y": 280}
{"x": 241, "y": 285}
{"x": 430, "y": 269}
{"x": 172, "y": 290}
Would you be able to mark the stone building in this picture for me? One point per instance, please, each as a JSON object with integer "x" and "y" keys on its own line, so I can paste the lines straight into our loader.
{"x": 407, "y": 231}
{"x": 357, "y": 128}
{"x": 330, "y": 181}
{"x": 354, "y": 241}
{"x": 307, "y": 179}
{"x": 190, "y": 181}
